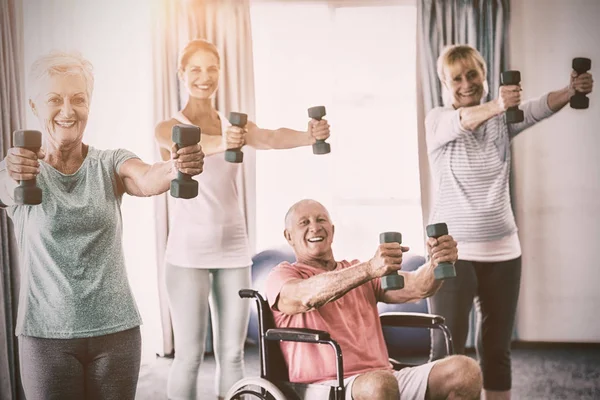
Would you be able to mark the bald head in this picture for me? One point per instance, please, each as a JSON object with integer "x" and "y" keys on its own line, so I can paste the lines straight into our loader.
{"x": 289, "y": 216}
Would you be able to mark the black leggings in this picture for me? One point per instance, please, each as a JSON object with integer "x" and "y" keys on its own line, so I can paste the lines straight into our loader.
{"x": 103, "y": 367}
{"x": 495, "y": 288}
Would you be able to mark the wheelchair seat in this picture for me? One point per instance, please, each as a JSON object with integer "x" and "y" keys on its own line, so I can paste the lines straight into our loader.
{"x": 274, "y": 384}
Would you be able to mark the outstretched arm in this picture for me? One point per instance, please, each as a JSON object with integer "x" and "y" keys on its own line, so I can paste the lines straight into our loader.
{"x": 443, "y": 125}
{"x": 143, "y": 180}
{"x": 578, "y": 83}
{"x": 303, "y": 295}
{"x": 284, "y": 138}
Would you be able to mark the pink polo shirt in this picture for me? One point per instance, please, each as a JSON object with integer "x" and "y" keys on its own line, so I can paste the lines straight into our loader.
{"x": 352, "y": 321}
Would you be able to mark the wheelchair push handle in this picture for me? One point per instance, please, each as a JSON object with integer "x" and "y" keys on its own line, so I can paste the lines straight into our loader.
{"x": 247, "y": 293}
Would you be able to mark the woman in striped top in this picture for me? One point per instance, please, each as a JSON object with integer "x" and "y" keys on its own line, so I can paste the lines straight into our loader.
{"x": 468, "y": 143}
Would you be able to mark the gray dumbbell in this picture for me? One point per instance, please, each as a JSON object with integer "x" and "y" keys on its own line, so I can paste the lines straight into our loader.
{"x": 236, "y": 155}
{"x": 28, "y": 193}
{"x": 321, "y": 146}
{"x": 513, "y": 114}
{"x": 580, "y": 101}
{"x": 184, "y": 187}
{"x": 444, "y": 270}
{"x": 394, "y": 280}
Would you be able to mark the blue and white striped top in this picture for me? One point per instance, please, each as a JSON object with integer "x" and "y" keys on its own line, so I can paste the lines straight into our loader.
{"x": 471, "y": 171}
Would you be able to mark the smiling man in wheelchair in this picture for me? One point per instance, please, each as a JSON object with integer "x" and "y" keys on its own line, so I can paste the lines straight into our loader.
{"x": 340, "y": 297}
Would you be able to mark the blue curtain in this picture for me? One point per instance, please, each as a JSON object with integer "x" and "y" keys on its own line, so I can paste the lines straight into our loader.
{"x": 482, "y": 24}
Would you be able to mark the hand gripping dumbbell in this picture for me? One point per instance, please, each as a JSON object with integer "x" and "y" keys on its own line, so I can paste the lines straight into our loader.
{"x": 444, "y": 270}
{"x": 184, "y": 187}
{"x": 321, "y": 146}
{"x": 27, "y": 193}
{"x": 236, "y": 155}
{"x": 394, "y": 280}
{"x": 580, "y": 101}
{"x": 513, "y": 114}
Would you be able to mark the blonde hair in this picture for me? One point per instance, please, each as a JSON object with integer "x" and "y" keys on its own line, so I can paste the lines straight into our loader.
{"x": 192, "y": 47}
{"x": 454, "y": 54}
{"x": 61, "y": 63}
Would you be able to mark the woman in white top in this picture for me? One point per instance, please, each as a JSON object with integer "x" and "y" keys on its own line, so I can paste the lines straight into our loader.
{"x": 469, "y": 150}
{"x": 208, "y": 258}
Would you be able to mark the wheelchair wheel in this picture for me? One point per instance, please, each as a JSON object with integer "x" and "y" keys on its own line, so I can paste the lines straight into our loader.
{"x": 254, "y": 388}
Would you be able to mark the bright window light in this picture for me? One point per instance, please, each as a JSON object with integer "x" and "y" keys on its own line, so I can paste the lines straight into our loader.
{"x": 359, "y": 62}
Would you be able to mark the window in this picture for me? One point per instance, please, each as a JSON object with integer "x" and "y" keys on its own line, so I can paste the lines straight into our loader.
{"x": 359, "y": 62}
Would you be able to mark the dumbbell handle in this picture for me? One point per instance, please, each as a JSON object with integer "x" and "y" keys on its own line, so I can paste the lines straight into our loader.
{"x": 393, "y": 280}
{"x": 580, "y": 100}
{"x": 27, "y": 193}
{"x": 443, "y": 270}
{"x": 239, "y": 120}
{"x": 320, "y": 146}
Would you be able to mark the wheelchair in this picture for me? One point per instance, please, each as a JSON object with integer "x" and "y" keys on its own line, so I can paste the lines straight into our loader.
{"x": 273, "y": 383}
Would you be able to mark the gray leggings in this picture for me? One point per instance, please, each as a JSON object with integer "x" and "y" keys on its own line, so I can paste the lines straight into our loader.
{"x": 102, "y": 367}
{"x": 495, "y": 288}
{"x": 190, "y": 291}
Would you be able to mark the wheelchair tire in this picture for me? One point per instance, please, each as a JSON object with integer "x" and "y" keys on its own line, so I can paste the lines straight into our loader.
{"x": 253, "y": 388}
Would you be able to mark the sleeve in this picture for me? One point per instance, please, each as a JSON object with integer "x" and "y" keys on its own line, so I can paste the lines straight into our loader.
{"x": 119, "y": 156}
{"x": 278, "y": 277}
{"x": 377, "y": 289}
{"x": 534, "y": 111}
{"x": 442, "y": 126}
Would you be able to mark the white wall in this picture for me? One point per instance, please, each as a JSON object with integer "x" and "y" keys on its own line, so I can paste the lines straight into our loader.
{"x": 557, "y": 174}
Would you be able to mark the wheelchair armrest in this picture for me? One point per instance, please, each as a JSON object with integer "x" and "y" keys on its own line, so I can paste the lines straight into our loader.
{"x": 411, "y": 320}
{"x": 297, "y": 335}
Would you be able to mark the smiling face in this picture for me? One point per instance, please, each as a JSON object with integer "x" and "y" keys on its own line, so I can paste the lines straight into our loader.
{"x": 308, "y": 229}
{"x": 200, "y": 74}
{"x": 465, "y": 81}
{"x": 62, "y": 107}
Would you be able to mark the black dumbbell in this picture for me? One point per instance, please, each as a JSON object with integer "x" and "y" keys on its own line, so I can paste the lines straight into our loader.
{"x": 27, "y": 193}
{"x": 513, "y": 114}
{"x": 580, "y": 101}
{"x": 184, "y": 187}
{"x": 444, "y": 270}
{"x": 236, "y": 155}
{"x": 394, "y": 280}
{"x": 321, "y": 146}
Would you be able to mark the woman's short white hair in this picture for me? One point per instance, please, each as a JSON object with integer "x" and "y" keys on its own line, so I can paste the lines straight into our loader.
{"x": 61, "y": 63}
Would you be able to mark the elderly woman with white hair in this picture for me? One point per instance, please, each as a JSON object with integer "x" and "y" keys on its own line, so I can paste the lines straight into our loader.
{"x": 468, "y": 142}
{"x": 78, "y": 324}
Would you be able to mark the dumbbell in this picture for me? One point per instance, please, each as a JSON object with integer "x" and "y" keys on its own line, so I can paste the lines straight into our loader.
{"x": 321, "y": 146}
{"x": 394, "y": 280}
{"x": 444, "y": 270}
{"x": 27, "y": 193}
{"x": 513, "y": 114}
{"x": 236, "y": 155}
{"x": 184, "y": 187}
{"x": 580, "y": 101}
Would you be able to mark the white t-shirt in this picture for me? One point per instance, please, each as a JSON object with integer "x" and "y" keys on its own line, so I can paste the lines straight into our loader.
{"x": 209, "y": 231}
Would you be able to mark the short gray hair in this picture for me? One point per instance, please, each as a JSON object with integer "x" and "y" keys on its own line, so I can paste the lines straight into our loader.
{"x": 61, "y": 63}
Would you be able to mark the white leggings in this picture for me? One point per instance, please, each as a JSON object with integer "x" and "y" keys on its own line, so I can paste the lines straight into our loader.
{"x": 190, "y": 291}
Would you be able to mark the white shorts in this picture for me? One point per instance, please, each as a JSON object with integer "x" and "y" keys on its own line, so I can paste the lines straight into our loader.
{"x": 412, "y": 382}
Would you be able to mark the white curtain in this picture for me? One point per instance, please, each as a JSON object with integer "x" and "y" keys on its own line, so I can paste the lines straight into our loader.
{"x": 11, "y": 118}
